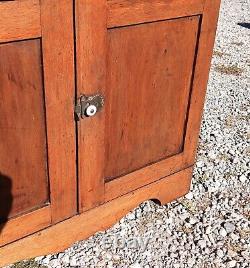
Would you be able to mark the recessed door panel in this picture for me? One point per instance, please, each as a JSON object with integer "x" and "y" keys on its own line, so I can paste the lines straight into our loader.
{"x": 149, "y": 74}
{"x": 23, "y": 158}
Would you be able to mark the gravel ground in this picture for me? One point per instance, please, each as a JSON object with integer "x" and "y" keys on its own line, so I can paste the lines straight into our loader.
{"x": 209, "y": 227}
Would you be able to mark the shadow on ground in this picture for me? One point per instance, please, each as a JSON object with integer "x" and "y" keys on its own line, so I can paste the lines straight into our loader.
{"x": 244, "y": 24}
{"x": 5, "y": 199}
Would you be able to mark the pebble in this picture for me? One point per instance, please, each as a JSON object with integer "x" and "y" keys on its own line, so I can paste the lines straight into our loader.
{"x": 231, "y": 264}
{"x": 234, "y": 237}
{"x": 192, "y": 221}
{"x": 116, "y": 257}
{"x": 202, "y": 243}
{"x": 199, "y": 164}
{"x": 243, "y": 178}
{"x": 220, "y": 253}
{"x": 223, "y": 232}
{"x": 189, "y": 195}
{"x": 229, "y": 227}
{"x": 136, "y": 265}
{"x": 208, "y": 229}
{"x": 73, "y": 261}
{"x": 231, "y": 253}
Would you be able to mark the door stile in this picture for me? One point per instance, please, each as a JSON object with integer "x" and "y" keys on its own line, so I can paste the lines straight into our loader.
{"x": 58, "y": 62}
{"x": 201, "y": 73}
{"x": 91, "y": 46}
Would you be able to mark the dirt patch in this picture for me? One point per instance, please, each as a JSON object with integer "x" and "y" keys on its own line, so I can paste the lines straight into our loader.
{"x": 229, "y": 70}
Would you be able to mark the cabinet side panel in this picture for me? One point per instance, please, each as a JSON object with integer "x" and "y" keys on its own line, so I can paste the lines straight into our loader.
{"x": 23, "y": 154}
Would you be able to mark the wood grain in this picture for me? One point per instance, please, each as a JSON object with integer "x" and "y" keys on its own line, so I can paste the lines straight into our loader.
{"x": 147, "y": 175}
{"x": 58, "y": 59}
{"x": 19, "y": 20}
{"x": 202, "y": 66}
{"x": 58, "y": 237}
{"x": 24, "y": 225}
{"x": 23, "y": 153}
{"x": 127, "y": 12}
{"x": 91, "y": 79}
{"x": 149, "y": 71}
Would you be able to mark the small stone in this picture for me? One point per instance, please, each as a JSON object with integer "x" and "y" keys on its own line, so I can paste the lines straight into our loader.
{"x": 159, "y": 222}
{"x": 39, "y": 258}
{"x": 182, "y": 216}
{"x": 192, "y": 220}
{"x": 173, "y": 255}
{"x": 220, "y": 253}
{"x": 191, "y": 262}
{"x": 231, "y": 263}
{"x": 73, "y": 261}
{"x": 54, "y": 263}
{"x": 101, "y": 263}
{"x": 243, "y": 178}
{"x": 207, "y": 250}
{"x": 189, "y": 195}
{"x": 116, "y": 257}
{"x": 108, "y": 256}
{"x": 46, "y": 260}
{"x": 211, "y": 239}
{"x": 245, "y": 254}
{"x": 208, "y": 230}
{"x": 212, "y": 155}
{"x": 173, "y": 248}
{"x": 199, "y": 164}
{"x": 223, "y": 232}
{"x": 202, "y": 243}
{"x": 234, "y": 237}
{"x": 65, "y": 258}
{"x": 131, "y": 216}
{"x": 231, "y": 253}
{"x": 229, "y": 227}
{"x": 136, "y": 265}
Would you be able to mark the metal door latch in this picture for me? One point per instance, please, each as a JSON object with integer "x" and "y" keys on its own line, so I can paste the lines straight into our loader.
{"x": 88, "y": 106}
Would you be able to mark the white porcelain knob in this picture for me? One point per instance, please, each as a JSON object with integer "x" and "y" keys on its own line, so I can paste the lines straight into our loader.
{"x": 91, "y": 110}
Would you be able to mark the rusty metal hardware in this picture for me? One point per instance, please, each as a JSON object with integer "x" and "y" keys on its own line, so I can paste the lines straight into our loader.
{"x": 88, "y": 106}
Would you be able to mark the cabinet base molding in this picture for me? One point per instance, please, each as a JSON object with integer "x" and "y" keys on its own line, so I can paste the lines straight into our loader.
{"x": 58, "y": 237}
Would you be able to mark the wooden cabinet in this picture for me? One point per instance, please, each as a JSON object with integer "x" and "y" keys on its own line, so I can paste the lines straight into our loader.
{"x": 137, "y": 72}
{"x": 37, "y": 130}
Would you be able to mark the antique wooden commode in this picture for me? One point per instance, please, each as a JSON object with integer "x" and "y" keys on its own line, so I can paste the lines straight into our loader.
{"x": 100, "y": 110}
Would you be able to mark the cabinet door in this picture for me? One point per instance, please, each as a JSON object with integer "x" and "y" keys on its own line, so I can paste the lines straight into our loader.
{"x": 141, "y": 56}
{"x": 37, "y": 131}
